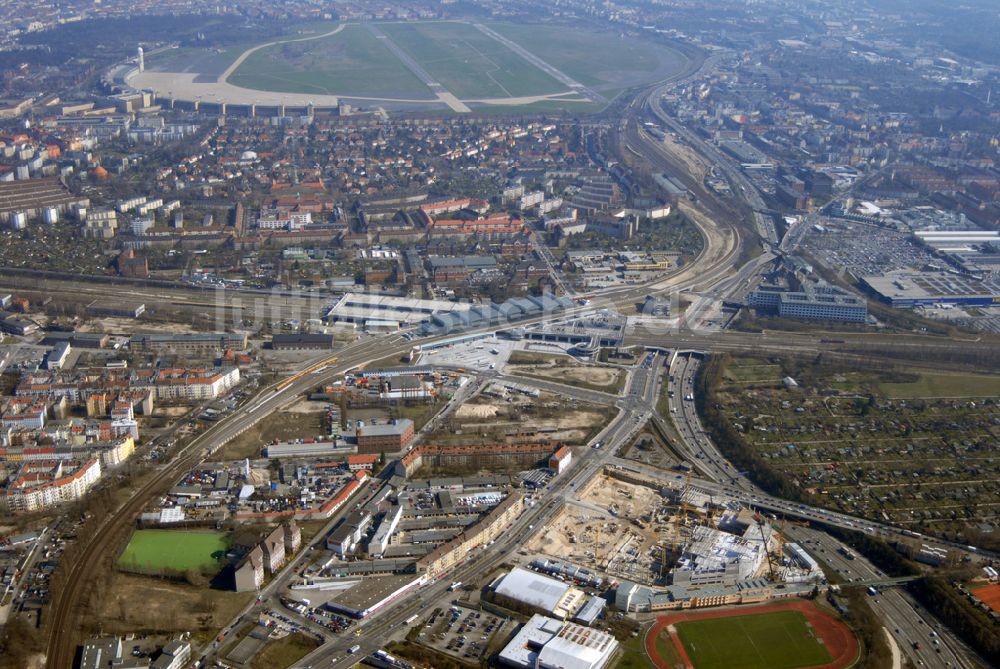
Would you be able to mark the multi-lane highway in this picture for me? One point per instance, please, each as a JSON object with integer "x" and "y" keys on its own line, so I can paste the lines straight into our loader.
{"x": 711, "y": 269}
{"x": 636, "y": 404}
{"x": 909, "y": 624}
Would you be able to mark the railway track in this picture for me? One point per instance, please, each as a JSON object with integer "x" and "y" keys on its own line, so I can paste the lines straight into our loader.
{"x": 715, "y": 260}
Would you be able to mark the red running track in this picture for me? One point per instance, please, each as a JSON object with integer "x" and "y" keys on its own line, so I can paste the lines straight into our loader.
{"x": 838, "y": 639}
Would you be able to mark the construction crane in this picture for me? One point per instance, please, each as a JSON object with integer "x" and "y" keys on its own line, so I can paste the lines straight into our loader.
{"x": 780, "y": 526}
{"x": 760, "y": 525}
{"x": 685, "y": 507}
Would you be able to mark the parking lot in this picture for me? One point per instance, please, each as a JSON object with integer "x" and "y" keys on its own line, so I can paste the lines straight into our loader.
{"x": 474, "y": 355}
{"x": 863, "y": 249}
{"x": 462, "y": 633}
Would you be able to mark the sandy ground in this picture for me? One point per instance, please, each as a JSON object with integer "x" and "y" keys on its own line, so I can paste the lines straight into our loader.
{"x": 131, "y": 325}
{"x": 153, "y": 605}
{"x": 691, "y": 160}
{"x": 598, "y": 530}
{"x": 571, "y": 425}
{"x": 476, "y": 411}
{"x": 306, "y": 406}
{"x": 592, "y": 375}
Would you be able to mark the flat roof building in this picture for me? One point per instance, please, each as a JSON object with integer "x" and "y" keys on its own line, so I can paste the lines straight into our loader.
{"x": 312, "y": 449}
{"x": 116, "y": 309}
{"x": 542, "y": 592}
{"x": 293, "y": 342}
{"x": 197, "y": 342}
{"x": 815, "y": 302}
{"x": 371, "y": 594}
{"x": 914, "y": 289}
{"x": 359, "y": 308}
{"x": 389, "y": 438}
{"x": 545, "y": 643}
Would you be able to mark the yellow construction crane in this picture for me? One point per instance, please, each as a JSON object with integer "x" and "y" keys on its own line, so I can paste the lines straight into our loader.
{"x": 759, "y": 518}
{"x": 685, "y": 507}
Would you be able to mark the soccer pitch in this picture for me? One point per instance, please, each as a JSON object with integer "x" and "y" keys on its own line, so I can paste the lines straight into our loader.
{"x": 779, "y": 640}
{"x": 154, "y": 550}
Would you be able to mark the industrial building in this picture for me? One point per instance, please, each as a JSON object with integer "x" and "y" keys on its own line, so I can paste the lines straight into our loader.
{"x": 56, "y": 358}
{"x": 545, "y": 643}
{"x": 11, "y": 324}
{"x": 115, "y": 309}
{"x": 188, "y": 343}
{"x": 796, "y": 553}
{"x": 77, "y": 339}
{"x": 304, "y": 449}
{"x": 485, "y": 315}
{"x": 813, "y": 302}
{"x": 371, "y": 594}
{"x": 109, "y": 653}
{"x": 359, "y": 309}
{"x": 541, "y": 592}
{"x": 299, "y": 342}
{"x": 384, "y": 438}
{"x": 914, "y": 289}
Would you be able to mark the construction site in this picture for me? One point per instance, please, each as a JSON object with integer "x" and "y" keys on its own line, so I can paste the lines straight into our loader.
{"x": 510, "y": 413}
{"x": 613, "y": 527}
{"x": 630, "y": 527}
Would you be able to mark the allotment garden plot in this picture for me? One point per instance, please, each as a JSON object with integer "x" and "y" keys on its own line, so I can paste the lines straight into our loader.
{"x": 912, "y": 448}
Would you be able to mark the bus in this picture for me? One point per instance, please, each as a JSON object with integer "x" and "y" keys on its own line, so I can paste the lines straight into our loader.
{"x": 410, "y": 620}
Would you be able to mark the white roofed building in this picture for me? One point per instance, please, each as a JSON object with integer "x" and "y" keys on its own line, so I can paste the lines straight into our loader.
{"x": 546, "y": 643}
{"x": 542, "y": 592}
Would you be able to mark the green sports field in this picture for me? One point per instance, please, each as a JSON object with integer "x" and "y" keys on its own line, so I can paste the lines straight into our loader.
{"x": 154, "y": 550}
{"x": 779, "y": 640}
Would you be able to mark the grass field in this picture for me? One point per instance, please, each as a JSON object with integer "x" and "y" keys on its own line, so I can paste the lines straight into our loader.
{"x": 284, "y": 652}
{"x": 779, "y": 640}
{"x": 468, "y": 62}
{"x": 152, "y": 550}
{"x": 564, "y": 369}
{"x": 129, "y": 603}
{"x": 633, "y": 656}
{"x": 596, "y": 58}
{"x": 352, "y": 62}
{"x": 945, "y": 385}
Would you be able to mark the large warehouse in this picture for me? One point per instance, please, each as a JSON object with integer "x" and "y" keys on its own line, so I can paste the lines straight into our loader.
{"x": 914, "y": 289}
{"x": 546, "y": 643}
{"x": 543, "y": 593}
{"x": 359, "y": 309}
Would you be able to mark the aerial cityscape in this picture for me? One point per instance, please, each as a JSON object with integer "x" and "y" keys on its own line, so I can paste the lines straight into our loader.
{"x": 422, "y": 334}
